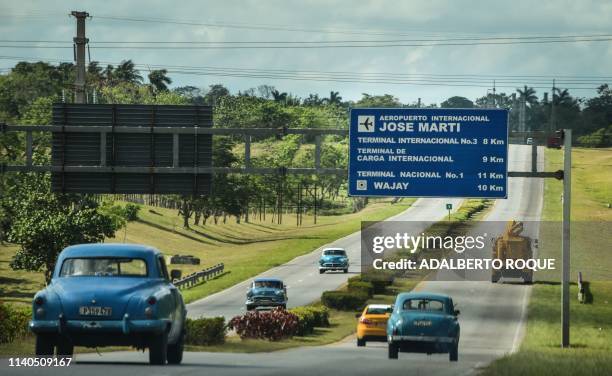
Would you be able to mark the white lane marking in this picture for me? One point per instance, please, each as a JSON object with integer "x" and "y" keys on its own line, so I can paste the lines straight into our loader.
{"x": 522, "y": 323}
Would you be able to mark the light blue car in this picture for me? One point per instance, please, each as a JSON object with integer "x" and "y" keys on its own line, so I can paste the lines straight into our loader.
{"x": 110, "y": 295}
{"x": 333, "y": 259}
{"x": 425, "y": 323}
{"x": 266, "y": 293}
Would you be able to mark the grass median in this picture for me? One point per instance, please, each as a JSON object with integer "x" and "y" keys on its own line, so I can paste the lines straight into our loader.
{"x": 246, "y": 249}
{"x": 590, "y": 352}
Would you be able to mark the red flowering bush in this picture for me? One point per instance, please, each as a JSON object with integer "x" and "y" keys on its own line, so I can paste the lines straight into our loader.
{"x": 271, "y": 325}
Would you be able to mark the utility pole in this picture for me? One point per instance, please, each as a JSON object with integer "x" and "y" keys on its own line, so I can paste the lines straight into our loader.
{"x": 494, "y": 98}
{"x": 80, "y": 41}
{"x": 553, "y": 125}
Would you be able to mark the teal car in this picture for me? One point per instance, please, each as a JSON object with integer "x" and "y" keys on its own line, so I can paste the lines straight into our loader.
{"x": 333, "y": 259}
{"x": 424, "y": 323}
{"x": 266, "y": 293}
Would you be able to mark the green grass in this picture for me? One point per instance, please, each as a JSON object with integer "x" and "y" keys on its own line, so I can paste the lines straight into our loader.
{"x": 246, "y": 249}
{"x": 590, "y": 352}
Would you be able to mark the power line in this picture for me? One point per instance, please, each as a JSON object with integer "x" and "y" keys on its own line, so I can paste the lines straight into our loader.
{"x": 386, "y": 78}
{"x": 320, "y": 46}
{"x": 544, "y": 37}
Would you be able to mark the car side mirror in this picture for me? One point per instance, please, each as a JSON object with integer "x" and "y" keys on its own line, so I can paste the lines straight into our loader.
{"x": 175, "y": 274}
{"x": 457, "y": 312}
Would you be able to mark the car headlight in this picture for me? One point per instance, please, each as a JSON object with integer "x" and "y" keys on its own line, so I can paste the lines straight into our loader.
{"x": 279, "y": 293}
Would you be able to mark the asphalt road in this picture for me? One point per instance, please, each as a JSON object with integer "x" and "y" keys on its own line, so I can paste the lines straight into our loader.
{"x": 492, "y": 318}
{"x": 301, "y": 275}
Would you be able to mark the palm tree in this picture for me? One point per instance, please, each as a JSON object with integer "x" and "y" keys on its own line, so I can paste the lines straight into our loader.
{"x": 562, "y": 97}
{"x": 127, "y": 72}
{"x": 94, "y": 71}
{"x": 159, "y": 79}
{"x": 109, "y": 74}
{"x": 279, "y": 97}
{"x": 528, "y": 94}
{"x": 334, "y": 98}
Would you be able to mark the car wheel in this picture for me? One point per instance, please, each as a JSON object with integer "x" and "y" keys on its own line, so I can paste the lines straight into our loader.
{"x": 453, "y": 354}
{"x": 175, "y": 352}
{"x": 321, "y": 271}
{"x": 249, "y": 308}
{"x": 361, "y": 342}
{"x": 528, "y": 278}
{"x": 64, "y": 346}
{"x": 393, "y": 350}
{"x": 494, "y": 277}
{"x": 284, "y": 306}
{"x": 346, "y": 270}
{"x": 158, "y": 349}
{"x": 44, "y": 345}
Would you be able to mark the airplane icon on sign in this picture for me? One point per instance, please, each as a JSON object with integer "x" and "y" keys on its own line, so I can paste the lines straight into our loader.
{"x": 365, "y": 123}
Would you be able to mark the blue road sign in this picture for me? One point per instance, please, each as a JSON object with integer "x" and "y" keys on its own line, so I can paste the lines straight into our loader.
{"x": 413, "y": 152}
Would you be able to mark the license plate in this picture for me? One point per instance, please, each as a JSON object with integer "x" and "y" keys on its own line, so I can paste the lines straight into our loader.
{"x": 422, "y": 323}
{"x": 95, "y": 311}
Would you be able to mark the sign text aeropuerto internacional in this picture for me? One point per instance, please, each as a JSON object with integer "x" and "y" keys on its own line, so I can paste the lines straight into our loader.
{"x": 409, "y": 152}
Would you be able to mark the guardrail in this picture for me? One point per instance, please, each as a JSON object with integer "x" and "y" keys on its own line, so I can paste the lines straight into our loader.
{"x": 197, "y": 277}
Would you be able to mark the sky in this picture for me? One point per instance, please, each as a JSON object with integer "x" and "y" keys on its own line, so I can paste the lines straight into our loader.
{"x": 326, "y": 21}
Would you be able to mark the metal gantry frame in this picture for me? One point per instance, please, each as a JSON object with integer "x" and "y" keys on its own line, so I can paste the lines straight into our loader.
{"x": 246, "y": 133}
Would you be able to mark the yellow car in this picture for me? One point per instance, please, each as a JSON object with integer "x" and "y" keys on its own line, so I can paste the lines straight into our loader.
{"x": 372, "y": 324}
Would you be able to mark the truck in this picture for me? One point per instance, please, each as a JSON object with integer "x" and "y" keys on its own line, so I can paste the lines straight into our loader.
{"x": 553, "y": 142}
{"x": 512, "y": 245}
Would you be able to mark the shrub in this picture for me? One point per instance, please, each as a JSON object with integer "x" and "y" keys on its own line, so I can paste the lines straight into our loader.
{"x": 379, "y": 280}
{"x": 305, "y": 320}
{"x": 344, "y": 300}
{"x": 13, "y": 322}
{"x": 310, "y": 317}
{"x": 130, "y": 212}
{"x": 272, "y": 325}
{"x": 205, "y": 331}
{"x": 361, "y": 286}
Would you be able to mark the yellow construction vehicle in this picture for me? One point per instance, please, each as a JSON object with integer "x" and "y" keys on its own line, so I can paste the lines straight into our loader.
{"x": 511, "y": 245}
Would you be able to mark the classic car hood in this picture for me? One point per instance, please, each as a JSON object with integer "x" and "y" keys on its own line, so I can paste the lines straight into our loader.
{"x": 426, "y": 324}
{"x": 333, "y": 258}
{"x": 264, "y": 291}
{"x": 113, "y": 292}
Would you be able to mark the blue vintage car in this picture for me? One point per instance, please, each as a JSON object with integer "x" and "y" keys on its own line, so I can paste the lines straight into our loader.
{"x": 425, "y": 323}
{"x": 266, "y": 292}
{"x": 333, "y": 259}
{"x": 108, "y": 295}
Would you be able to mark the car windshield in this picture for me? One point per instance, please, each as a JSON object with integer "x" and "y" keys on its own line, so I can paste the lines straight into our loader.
{"x": 423, "y": 305}
{"x": 268, "y": 284}
{"x": 378, "y": 310}
{"x": 334, "y": 252}
{"x": 104, "y": 267}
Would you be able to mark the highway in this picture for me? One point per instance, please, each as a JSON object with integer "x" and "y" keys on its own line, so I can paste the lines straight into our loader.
{"x": 492, "y": 315}
{"x": 301, "y": 275}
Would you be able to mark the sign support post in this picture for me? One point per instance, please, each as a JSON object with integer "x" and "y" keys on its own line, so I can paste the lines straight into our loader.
{"x": 565, "y": 244}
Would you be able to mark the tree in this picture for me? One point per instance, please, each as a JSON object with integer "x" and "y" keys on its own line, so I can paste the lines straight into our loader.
{"x": 279, "y": 97}
{"x": 95, "y": 73}
{"x": 127, "y": 72}
{"x": 528, "y": 94}
{"x": 159, "y": 79}
{"x": 44, "y": 223}
{"x": 334, "y": 98}
{"x": 215, "y": 92}
{"x": 457, "y": 102}
{"x": 386, "y": 100}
